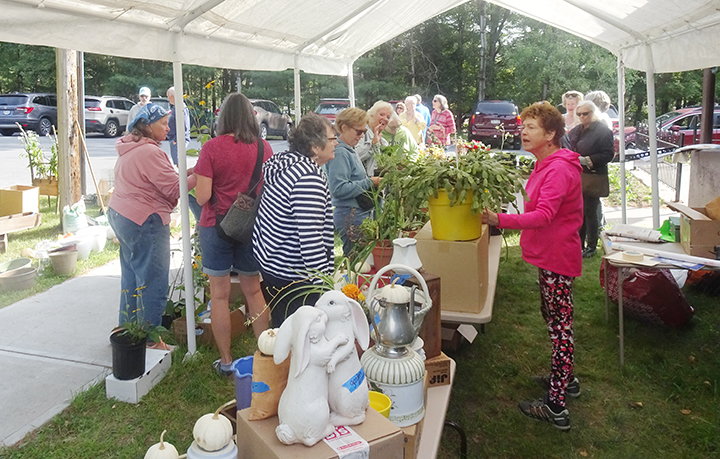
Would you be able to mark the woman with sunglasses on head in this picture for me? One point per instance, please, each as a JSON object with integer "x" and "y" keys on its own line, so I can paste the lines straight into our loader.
{"x": 442, "y": 122}
{"x": 593, "y": 141}
{"x": 347, "y": 178}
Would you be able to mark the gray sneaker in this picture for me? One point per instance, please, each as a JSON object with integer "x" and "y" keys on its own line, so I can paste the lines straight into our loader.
{"x": 538, "y": 410}
{"x": 572, "y": 389}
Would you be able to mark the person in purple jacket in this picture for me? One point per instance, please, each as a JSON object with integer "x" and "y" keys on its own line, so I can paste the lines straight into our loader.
{"x": 550, "y": 240}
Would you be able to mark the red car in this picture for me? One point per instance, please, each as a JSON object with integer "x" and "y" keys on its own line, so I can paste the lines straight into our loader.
{"x": 494, "y": 118}
{"x": 329, "y": 108}
{"x": 678, "y": 128}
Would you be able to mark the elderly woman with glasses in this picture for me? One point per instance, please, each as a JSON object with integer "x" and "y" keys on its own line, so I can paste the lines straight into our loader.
{"x": 293, "y": 239}
{"x": 442, "y": 122}
{"x": 347, "y": 178}
{"x": 593, "y": 141}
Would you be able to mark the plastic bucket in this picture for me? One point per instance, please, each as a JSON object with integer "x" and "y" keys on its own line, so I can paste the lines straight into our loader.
{"x": 64, "y": 262}
{"x": 243, "y": 381}
{"x": 456, "y": 223}
{"x": 97, "y": 235}
{"x": 14, "y": 264}
{"x": 128, "y": 359}
{"x": 18, "y": 279}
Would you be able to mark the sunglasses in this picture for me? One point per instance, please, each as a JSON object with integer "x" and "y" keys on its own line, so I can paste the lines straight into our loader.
{"x": 583, "y": 113}
{"x": 359, "y": 131}
{"x": 332, "y": 138}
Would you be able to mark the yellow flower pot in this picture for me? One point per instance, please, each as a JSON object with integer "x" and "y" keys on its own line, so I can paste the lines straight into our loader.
{"x": 456, "y": 223}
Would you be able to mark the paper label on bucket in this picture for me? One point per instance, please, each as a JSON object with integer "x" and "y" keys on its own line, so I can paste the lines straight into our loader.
{"x": 346, "y": 443}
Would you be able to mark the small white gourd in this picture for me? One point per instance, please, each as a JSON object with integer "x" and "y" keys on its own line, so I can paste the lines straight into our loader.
{"x": 394, "y": 294}
{"x": 266, "y": 341}
{"x": 213, "y": 432}
{"x": 162, "y": 450}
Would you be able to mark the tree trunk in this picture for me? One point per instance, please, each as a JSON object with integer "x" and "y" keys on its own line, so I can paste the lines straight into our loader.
{"x": 68, "y": 136}
{"x": 483, "y": 49}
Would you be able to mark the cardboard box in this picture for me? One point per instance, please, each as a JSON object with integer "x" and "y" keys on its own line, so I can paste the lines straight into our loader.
{"x": 438, "y": 370}
{"x": 258, "y": 439}
{"x": 412, "y": 435}
{"x": 699, "y": 234}
{"x": 157, "y": 364}
{"x": 453, "y": 335}
{"x": 19, "y": 199}
{"x": 237, "y": 324}
{"x": 462, "y": 267}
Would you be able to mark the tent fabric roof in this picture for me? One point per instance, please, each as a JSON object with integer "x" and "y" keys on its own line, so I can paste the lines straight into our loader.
{"x": 326, "y": 35}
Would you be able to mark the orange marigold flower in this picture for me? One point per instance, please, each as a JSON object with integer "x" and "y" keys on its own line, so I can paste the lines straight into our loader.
{"x": 351, "y": 291}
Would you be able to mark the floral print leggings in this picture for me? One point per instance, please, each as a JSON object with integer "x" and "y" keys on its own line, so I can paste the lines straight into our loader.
{"x": 557, "y": 309}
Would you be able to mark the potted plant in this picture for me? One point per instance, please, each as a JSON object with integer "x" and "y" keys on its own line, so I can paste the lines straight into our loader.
{"x": 43, "y": 170}
{"x": 460, "y": 186}
{"x": 129, "y": 341}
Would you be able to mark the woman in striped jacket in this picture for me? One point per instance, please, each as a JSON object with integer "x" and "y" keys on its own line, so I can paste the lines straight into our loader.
{"x": 293, "y": 236}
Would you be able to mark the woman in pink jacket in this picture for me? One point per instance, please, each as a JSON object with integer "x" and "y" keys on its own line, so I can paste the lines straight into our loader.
{"x": 550, "y": 241}
{"x": 147, "y": 188}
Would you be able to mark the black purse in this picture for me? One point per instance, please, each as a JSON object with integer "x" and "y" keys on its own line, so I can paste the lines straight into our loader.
{"x": 364, "y": 201}
{"x": 238, "y": 223}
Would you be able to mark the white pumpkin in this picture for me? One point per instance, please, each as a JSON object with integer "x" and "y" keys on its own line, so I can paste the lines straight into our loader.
{"x": 212, "y": 432}
{"x": 162, "y": 450}
{"x": 394, "y": 294}
{"x": 266, "y": 341}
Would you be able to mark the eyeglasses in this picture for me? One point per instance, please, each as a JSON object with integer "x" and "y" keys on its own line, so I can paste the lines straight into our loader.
{"x": 583, "y": 113}
{"x": 144, "y": 95}
{"x": 359, "y": 131}
{"x": 332, "y": 138}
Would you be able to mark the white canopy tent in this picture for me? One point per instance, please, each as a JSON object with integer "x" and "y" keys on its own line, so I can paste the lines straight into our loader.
{"x": 327, "y": 36}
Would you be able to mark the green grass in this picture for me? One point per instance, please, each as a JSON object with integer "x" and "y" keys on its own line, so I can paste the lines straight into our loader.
{"x": 666, "y": 370}
{"x": 50, "y": 229}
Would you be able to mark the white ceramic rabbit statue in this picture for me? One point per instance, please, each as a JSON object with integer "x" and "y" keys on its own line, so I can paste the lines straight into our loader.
{"x": 303, "y": 411}
{"x": 348, "y": 388}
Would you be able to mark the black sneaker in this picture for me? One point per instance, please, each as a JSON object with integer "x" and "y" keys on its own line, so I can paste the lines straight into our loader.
{"x": 572, "y": 389}
{"x": 538, "y": 410}
{"x": 217, "y": 366}
{"x": 589, "y": 252}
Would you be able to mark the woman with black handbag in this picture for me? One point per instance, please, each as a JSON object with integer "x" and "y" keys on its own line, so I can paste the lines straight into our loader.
{"x": 230, "y": 164}
{"x": 593, "y": 141}
{"x": 347, "y": 179}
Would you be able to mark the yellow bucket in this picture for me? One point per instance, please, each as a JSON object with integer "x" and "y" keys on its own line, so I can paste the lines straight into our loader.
{"x": 380, "y": 402}
{"x": 456, "y": 223}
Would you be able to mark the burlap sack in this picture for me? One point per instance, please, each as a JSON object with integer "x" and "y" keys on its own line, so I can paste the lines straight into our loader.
{"x": 269, "y": 381}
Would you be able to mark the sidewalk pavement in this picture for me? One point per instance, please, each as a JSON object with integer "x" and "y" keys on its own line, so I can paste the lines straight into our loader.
{"x": 55, "y": 345}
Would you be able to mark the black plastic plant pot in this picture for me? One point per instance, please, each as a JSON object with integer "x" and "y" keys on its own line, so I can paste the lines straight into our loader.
{"x": 128, "y": 358}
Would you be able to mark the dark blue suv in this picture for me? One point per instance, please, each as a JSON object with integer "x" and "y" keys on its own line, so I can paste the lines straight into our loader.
{"x": 34, "y": 112}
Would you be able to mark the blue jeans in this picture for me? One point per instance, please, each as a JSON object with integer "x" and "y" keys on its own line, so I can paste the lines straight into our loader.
{"x": 144, "y": 267}
{"x": 173, "y": 152}
{"x": 347, "y": 223}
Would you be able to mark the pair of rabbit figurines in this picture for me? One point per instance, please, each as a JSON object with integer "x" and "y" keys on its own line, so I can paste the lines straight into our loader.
{"x": 326, "y": 384}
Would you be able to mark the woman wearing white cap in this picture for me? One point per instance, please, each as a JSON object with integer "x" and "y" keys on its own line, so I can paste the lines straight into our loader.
{"x": 147, "y": 188}
{"x": 144, "y": 96}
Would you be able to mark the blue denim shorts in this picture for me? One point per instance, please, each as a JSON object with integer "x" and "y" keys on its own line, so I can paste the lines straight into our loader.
{"x": 219, "y": 257}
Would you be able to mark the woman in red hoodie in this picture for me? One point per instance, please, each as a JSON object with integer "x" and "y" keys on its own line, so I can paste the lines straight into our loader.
{"x": 147, "y": 188}
{"x": 551, "y": 221}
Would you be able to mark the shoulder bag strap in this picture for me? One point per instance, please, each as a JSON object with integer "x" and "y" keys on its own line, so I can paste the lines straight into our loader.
{"x": 255, "y": 179}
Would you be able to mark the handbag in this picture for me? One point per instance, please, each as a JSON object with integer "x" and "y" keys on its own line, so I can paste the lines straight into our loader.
{"x": 238, "y": 223}
{"x": 595, "y": 185}
{"x": 364, "y": 201}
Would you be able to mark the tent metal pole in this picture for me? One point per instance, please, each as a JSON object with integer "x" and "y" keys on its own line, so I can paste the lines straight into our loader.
{"x": 184, "y": 208}
{"x": 351, "y": 84}
{"x": 621, "y": 135}
{"x": 652, "y": 132}
{"x": 296, "y": 72}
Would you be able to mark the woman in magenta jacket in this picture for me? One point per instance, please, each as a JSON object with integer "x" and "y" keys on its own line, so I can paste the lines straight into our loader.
{"x": 551, "y": 221}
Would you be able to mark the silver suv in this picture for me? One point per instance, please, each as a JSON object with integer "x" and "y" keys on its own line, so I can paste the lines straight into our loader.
{"x": 107, "y": 114}
{"x": 34, "y": 112}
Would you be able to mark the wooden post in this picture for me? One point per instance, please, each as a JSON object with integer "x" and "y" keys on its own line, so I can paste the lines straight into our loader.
{"x": 69, "y": 180}
{"x": 708, "y": 106}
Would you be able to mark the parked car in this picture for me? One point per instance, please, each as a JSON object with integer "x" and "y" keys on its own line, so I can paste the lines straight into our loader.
{"x": 271, "y": 119}
{"x": 679, "y": 128}
{"x": 494, "y": 118}
{"x": 34, "y": 112}
{"x": 161, "y": 101}
{"x": 107, "y": 114}
{"x": 329, "y": 108}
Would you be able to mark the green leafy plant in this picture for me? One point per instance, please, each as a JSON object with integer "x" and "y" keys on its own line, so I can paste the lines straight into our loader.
{"x": 135, "y": 326}
{"x": 41, "y": 167}
{"x": 474, "y": 169}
